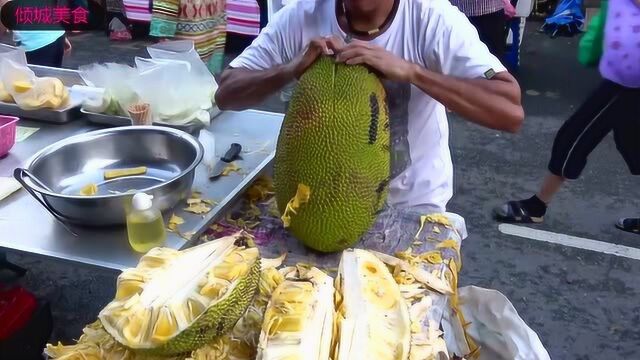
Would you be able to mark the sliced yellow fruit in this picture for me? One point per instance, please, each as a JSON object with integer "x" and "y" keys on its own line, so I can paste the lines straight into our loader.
{"x": 88, "y": 190}
{"x": 113, "y": 174}
{"x": 22, "y": 86}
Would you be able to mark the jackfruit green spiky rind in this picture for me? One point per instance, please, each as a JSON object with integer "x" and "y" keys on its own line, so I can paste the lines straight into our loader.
{"x": 215, "y": 321}
{"x": 216, "y": 318}
{"x": 334, "y": 141}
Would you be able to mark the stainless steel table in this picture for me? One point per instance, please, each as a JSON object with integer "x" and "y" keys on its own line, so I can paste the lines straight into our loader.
{"x": 25, "y": 226}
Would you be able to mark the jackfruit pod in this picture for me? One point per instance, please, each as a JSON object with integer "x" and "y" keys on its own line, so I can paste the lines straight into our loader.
{"x": 372, "y": 317}
{"x": 298, "y": 321}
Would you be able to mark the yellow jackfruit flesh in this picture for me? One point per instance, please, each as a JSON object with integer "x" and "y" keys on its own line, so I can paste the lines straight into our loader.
{"x": 22, "y": 86}
{"x": 44, "y": 92}
{"x": 372, "y": 319}
{"x": 88, "y": 190}
{"x": 5, "y": 96}
{"x": 298, "y": 321}
{"x": 335, "y": 141}
{"x": 176, "y": 301}
{"x": 112, "y": 174}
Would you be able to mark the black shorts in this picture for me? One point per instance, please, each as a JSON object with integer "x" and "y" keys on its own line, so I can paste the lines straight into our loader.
{"x": 50, "y": 55}
{"x": 611, "y": 107}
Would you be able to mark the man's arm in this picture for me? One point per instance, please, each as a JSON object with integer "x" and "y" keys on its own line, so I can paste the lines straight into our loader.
{"x": 494, "y": 103}
{"x": 240, "y": 89}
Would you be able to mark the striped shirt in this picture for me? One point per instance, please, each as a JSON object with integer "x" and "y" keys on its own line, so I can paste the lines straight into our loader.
{"x": 478, "y": 7}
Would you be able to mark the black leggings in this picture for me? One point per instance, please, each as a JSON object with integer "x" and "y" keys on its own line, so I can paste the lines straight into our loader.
{"x": 50, "y": 55}
{"x": 611, "y": 107}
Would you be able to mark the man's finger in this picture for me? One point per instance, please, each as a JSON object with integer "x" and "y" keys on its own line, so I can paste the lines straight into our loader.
{"x": 350, "y": 53}
{"x": 334, "y": 43}
{"x": 361, "y": 59}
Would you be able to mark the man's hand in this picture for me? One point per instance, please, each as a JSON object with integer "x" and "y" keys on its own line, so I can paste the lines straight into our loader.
{"x": 384, "y": 62}
{"x": 320, "y": 46}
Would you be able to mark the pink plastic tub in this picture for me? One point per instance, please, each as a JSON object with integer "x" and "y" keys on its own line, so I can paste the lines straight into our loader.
{"x": 7, "y": 133}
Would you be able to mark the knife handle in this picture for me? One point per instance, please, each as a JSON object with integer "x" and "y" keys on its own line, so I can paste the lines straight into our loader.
{"x": 232, "y": 153}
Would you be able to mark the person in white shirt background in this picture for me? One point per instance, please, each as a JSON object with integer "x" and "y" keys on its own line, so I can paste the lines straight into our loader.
{"x": 430, "y": 58}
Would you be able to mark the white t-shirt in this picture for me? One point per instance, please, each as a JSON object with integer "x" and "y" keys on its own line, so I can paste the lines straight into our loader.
{"x": 432, "y": 33}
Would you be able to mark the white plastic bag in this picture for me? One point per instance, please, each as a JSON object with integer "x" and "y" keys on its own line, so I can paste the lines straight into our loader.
{"x": 496, "y": 326}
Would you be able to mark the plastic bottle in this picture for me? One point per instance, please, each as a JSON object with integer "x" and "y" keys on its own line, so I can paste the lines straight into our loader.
{"x": 145, "y": 225}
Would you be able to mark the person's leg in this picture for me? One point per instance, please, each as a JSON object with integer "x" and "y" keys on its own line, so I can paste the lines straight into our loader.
{"x": 50, "y": 55}
{"x": 626, "y": 133}
{"x": 573, "y": 143}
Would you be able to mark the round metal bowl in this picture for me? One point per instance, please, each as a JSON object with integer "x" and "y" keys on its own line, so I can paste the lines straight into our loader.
{"x": 56, "y": 174}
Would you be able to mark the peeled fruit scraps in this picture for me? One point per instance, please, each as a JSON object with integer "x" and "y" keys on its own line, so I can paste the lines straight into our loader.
{"x": 298, "y": 321}
{"x": 333, "y": 145}
{"x": 372, "y": 318}
{"x": 177, "y": 301}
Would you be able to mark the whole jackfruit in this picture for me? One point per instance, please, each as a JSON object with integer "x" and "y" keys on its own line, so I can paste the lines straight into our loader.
{"x": 372, "y": 318}
{"x": 332, "y": 163}
{"x": 174, "y": 302}
{"x": 298, "y": 322}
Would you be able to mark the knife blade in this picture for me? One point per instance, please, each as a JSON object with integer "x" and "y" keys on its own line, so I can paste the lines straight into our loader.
{"x": 231, "y": 154}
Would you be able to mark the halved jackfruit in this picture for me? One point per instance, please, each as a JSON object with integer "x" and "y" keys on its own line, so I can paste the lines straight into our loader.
{"x": 298, "y": 322}
{"x": 166, "y": 305}
{"x": 372, "y": 319}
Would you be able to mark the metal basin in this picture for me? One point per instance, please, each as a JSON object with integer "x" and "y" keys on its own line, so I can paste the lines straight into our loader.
{"x": 56, "y": 174}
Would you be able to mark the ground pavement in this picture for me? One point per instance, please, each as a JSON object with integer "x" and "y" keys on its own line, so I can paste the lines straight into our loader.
{"x": 584, "y": 304}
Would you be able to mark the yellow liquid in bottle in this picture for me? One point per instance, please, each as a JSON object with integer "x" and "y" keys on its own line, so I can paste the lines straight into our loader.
{"x": 145, "y": 230}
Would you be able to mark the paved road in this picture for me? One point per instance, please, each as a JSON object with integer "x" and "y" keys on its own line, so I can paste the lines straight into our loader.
{"x": 583, "y": 304}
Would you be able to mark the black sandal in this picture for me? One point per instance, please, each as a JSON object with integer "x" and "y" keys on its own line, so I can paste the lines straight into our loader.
{"x": 514, "y": 212}
{"x": 631, "y": 225}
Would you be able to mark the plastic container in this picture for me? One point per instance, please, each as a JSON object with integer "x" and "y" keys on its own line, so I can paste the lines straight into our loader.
{"x": 145, "y": 225}
{"x": 7, "y": 133}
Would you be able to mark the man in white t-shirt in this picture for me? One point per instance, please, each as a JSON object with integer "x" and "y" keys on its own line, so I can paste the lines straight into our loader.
{"x": 430, "y": 57}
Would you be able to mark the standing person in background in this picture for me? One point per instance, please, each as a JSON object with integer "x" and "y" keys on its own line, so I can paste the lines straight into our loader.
{"x": 489, "y": 19}
{"x": 46, "y": 48}
{"x": 613, "y": 106}
{"x": 42, "y": 47}
{"x": 202, "y": 21}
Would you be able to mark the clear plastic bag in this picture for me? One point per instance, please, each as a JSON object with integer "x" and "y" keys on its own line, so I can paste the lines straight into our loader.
{"x": 174, "y": 92}
{"x": 117, "y": 81}
{"x": 183, "y": 50}
{"x": 27, "y": 90}
{"x": 13, "y": 53}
